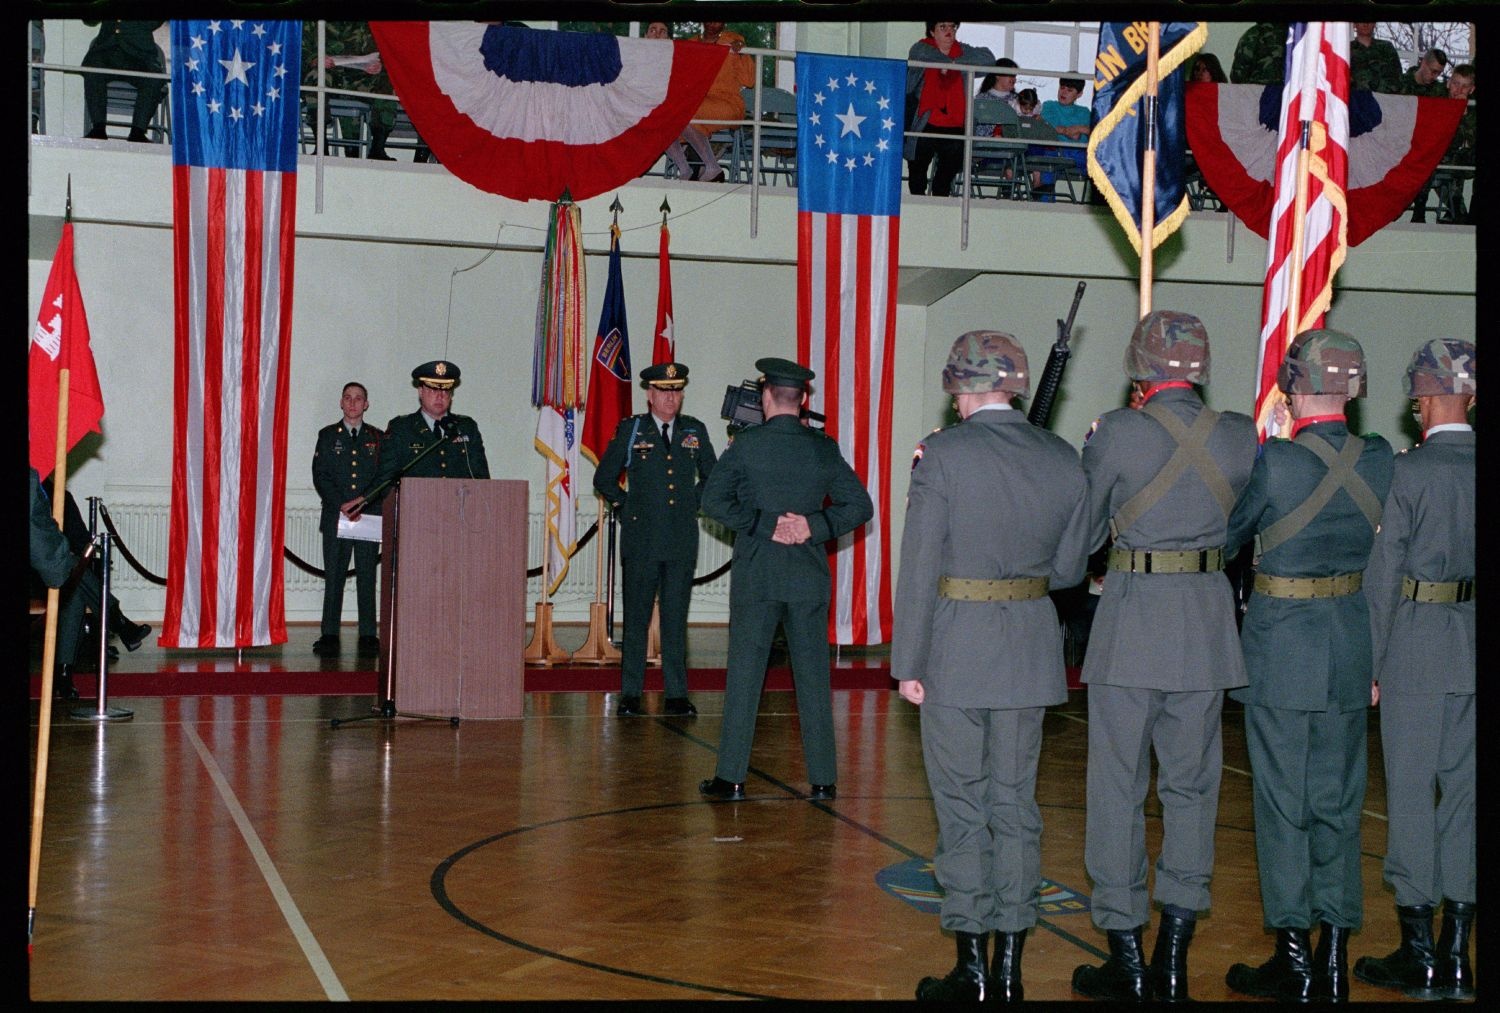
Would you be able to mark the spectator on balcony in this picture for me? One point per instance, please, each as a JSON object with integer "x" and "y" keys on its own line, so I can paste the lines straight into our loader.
{"x": 1260, "y": 55}
{"x": 691, "y": 135}
{"x": 1002, "y": 86}
{"x": 1207, "y": 68}
{"x": 351, "y": 60}
{"x": 936, "y": 103}
{"x": 723, "y": 101}
{"x": 1373, "y": 63}
{"x": 1425, "y": 76}
{"x": 123, "y": 45}
{"x": 1461, "y": 86}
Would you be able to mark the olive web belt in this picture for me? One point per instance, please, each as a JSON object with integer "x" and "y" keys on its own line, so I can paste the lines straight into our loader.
{"x": 1014, "y": 589}
{"x": 1166, "y": 560}
{"x": 1335, "y": 586}
{"x": 1444, "y": 591}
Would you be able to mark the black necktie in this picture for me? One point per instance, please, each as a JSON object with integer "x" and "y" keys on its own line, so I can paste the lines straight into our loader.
{"x": 666, "y": 434}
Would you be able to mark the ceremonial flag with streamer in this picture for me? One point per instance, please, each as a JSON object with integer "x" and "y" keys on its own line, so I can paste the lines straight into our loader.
{"x": 1119, "y": 136}
{"x": 849, "y": 121}
{"x": 609, "y": 368}
{"x": 557, "y": 378}
{"x": 1316, "y": 93}
{"x": 664, "y": 341}
{"x": 234, "y": 173}
{"x": 61, "y": 341}
{"x": 525, "y": 112}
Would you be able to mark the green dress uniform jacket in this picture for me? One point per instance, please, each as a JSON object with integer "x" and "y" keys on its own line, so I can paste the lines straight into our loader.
{"x": 991, "y": 498}
{"x": 342, "y": 466}
{"x": 1308, "y": 661}
{"x": 407, "y": 436}
{"x": 1162, "y": 648}
{"x": 658, "y": 512}
{"x": 1425, "y": 660}
{"x": 778, "y": 467}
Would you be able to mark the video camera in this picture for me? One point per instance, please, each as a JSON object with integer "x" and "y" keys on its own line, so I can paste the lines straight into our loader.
{"x": 742, "y": 409}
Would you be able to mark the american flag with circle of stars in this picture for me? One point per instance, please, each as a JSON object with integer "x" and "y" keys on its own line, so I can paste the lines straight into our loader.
{"x": 235, "y": 107}
{"x": 850, "y": 114}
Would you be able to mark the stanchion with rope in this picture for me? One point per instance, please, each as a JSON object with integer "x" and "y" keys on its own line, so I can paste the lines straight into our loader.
{"x": 102, "y": 711}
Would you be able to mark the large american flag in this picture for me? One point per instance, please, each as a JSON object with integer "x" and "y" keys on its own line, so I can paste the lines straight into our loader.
{"x": 1315, "y": 98}
{"x": 849, "y": 120}
{"x": 234, "y": 162}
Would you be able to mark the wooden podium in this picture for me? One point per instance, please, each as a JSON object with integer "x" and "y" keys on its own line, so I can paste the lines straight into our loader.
{"x": 453, "y": 598}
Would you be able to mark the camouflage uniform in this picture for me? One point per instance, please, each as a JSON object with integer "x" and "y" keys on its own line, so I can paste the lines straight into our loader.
{"x": 1305, "y": 719}
{"x": 1162, "y": 650}
{"x": 1420, "y": 587}
{"x": 1375, "y": 67}
{"x": 1260, "y": 55}
{"x": 350, "y": 38}
{"x": 1408, "y": 85}
{"x": 994, "y": 502}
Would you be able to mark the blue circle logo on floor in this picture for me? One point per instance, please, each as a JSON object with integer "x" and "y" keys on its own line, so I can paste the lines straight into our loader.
{"x": 913, "y": 882}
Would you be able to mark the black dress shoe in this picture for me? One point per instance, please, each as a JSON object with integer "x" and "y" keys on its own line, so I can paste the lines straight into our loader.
{"x": 369, "y": 645}
{"x": 680, "y": 706}
{"x": 630, "y": 707}
{"x": 326, "y": 647}
{"x": 717, "y": 787}
{"x": 132, "y": 635}
{"x": 62, "y": 685}
{"x": 112, "y": 653}
{"x": 822, "y": 791}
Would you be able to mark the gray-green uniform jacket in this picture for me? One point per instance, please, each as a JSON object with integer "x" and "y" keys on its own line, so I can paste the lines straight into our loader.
{"x": 778, "y": 467}
{"x": 991, "y": 498}
{"x": 1309, "y": 654}
{"x": 1176, "y": 631}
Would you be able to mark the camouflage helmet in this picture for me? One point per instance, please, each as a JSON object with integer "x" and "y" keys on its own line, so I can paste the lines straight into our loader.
{"x": 984, "y": 361}
{"x": 1441, "y": 366}
{"x": 1167, "y": 345}
{"x": 1323, "y": 361}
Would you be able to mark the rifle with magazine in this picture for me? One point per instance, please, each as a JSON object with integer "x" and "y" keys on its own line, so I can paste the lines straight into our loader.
{"x": 1046, "y": 388}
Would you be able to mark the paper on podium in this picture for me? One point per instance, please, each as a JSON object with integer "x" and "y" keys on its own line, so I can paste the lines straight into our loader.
{"x": 366, "y": 529}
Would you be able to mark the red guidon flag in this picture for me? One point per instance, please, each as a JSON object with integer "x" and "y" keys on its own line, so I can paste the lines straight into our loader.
{"x": 61, "y": 341}
{"x": 664, "y": 342}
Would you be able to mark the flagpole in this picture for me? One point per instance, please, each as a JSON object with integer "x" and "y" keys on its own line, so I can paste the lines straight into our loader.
{"x": 1148, "y": 169}
{"x": 49, "y": 659}
{"x": 49, "y": 638}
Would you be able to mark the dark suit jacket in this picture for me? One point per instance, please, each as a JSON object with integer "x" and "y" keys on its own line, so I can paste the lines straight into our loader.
{"x": 778, "y": 467}
{"x": 341, "y": 468}
{"x": 407, "y": 436}
{"x": 659, "y": 504}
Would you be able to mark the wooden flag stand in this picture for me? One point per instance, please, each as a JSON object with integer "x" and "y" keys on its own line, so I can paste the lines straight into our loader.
{"x": 543, "y": 649}
{"x": 597, "y": 650}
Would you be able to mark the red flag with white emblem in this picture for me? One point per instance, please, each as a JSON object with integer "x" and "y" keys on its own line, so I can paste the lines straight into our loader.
{"x": 664, "y": 343}
{"x": 61, "y": 341}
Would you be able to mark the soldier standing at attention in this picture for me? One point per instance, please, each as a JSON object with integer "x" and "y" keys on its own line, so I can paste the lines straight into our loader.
{"x": 666, "y": 457}
{"x": 1420, "y": 583}
{"x": 996, "y": 516}
{"x": 1162, "y": 479}
{"x": 407, "y": 436}
{"x": 784, "y": 489}
{"x": 343, "y": 462}
{"x": 1312, "y": 506}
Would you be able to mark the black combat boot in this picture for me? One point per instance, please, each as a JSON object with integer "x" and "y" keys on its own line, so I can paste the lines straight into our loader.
{"x": 62, "y": 683}
{"x": 1169, "y": 979}
{"x": 1412, "y": 966}
{"x": 1455, "y": 978}
{"x": 966, "y": 982}
{"x": 1005, "y": 969}
{"x": 1121, "y": 978}
{"x": 1287, "y": 976}
{"x": 1330, "y": 965}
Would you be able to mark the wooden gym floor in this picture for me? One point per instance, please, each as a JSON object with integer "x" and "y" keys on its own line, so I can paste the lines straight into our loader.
{"x": 240, "y": 848}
